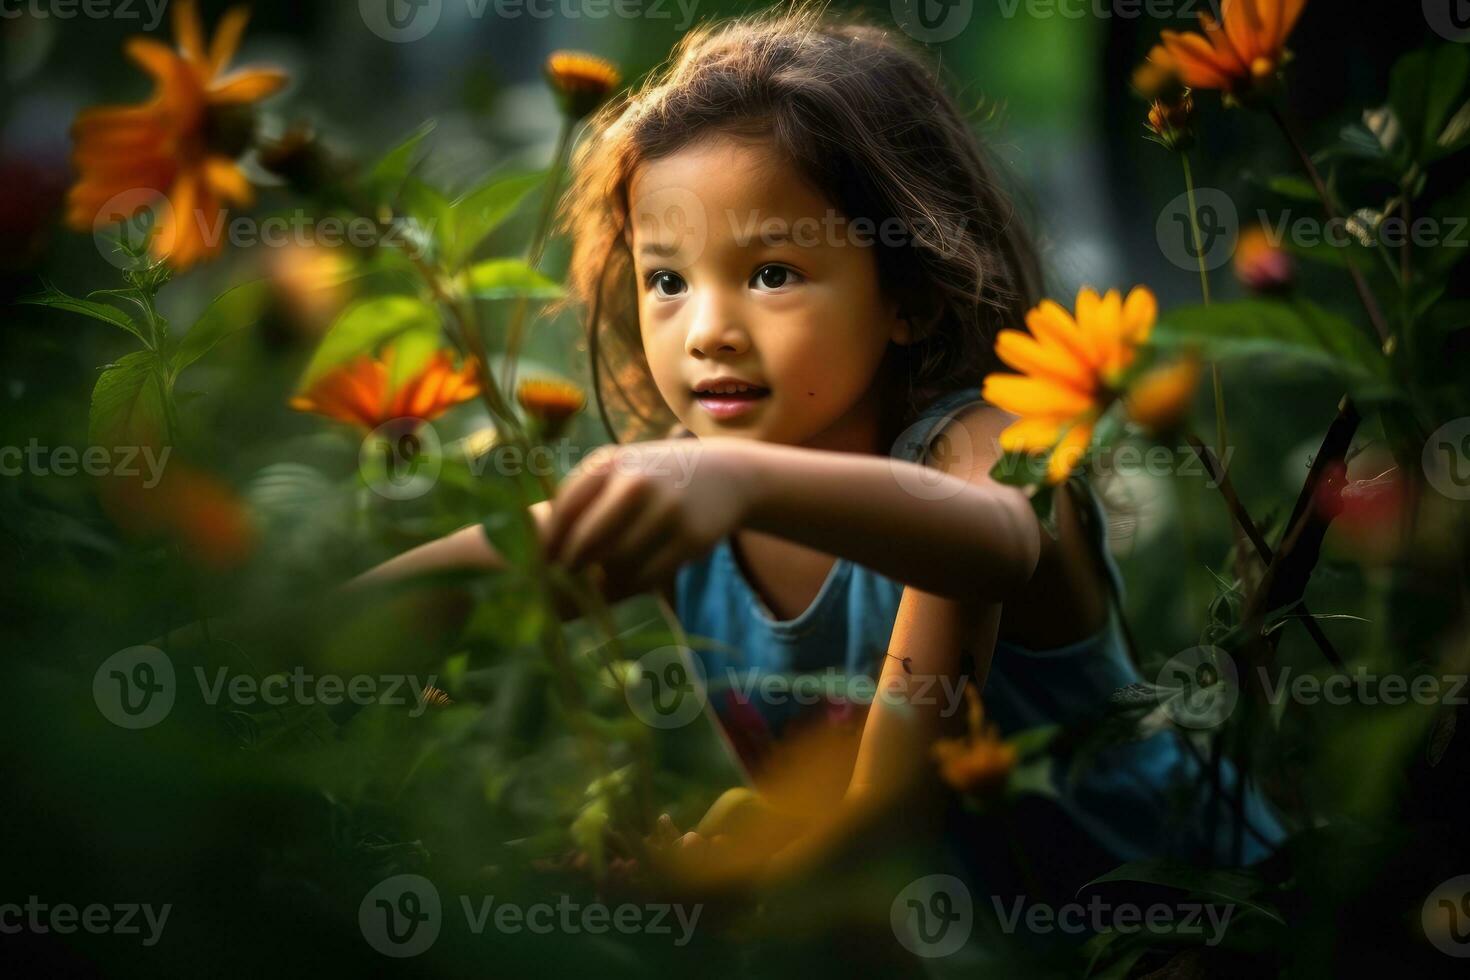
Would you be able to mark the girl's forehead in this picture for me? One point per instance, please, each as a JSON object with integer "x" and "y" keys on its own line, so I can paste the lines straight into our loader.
{"x": 720, "y": 183}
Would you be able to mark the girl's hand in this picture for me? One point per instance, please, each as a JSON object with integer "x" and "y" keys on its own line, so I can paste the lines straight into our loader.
{"x": 642, "y": 510}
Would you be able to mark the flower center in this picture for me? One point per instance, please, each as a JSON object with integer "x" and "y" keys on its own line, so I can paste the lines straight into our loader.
{"x": 229, "y": 130}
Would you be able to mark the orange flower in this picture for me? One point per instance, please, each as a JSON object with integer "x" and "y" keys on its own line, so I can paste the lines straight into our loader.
{"x": 1173, "y": 122}
{"x": 1158, "y": 77}
{"x": 1260, "y": 264}
{"x": 205, "y": 517}
{"x": 581, "y": 81}
{"x": 1159, "y": 399}
{"x": 357, "y": 392}
{"x": 181, "y": 144}
{"x": 550, "y": 402}
{"x": 1071, "y": 370}
{"x": 979, "y": 762}
{"x": 1241, "y": 52}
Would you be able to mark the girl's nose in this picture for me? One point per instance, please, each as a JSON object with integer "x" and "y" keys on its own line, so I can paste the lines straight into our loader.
{"x": 716, "y": 329}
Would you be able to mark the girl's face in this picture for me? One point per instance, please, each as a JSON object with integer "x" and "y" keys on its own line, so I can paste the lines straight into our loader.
{"x": 746, "y": 272}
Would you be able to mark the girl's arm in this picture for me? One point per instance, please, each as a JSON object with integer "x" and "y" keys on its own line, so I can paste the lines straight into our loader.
{"x": 950, "y": 532}
{"x": 894, "y": 790}
{"x": 468, "y": 548}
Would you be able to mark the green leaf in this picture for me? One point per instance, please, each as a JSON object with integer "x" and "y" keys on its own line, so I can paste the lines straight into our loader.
{"x": 475, "y": 215}
{"x": 389, "y": 172}
{"x": 1294, "y": 187}
{"x": 365, "y": 325}
{"x": 428, "y": 207}
{"x": 1295, "y": 330}
{"x": 128, "y": 402}
{"x": 57, "y": 300}
{"x": 509, "y": 278}
{"x": 1238, "y": 887}
{"x": 1449, "y": 71}
{"x": 231, "y": 311}
{"x": 1424, "y": 87}
{"x": 411, "y": 352}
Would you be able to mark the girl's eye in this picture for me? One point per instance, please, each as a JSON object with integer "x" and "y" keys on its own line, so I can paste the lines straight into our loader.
{"x": 775, "y": 276}
{"x": 665, "y": 283}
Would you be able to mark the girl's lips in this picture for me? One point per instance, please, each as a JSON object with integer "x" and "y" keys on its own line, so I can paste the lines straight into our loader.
{"x": 730, "y": 406}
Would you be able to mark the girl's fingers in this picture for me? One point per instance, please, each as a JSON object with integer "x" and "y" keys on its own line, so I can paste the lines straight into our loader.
{"x": 663, "y": 563}
{"x": 570, "y": 501}
{"x": 601, "y": 522}
{"x": 649, "y": 532}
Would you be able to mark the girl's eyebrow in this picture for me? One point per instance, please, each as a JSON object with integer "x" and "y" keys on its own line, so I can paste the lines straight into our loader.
{"x": 659, "y": 249}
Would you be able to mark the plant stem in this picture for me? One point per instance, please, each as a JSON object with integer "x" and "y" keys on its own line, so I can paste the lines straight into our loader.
{"x": 1221, "y": 435}
{"x": 1258, "y": 541}
{"x": 1365, "y": 295}
{"x": 538, "y": 245}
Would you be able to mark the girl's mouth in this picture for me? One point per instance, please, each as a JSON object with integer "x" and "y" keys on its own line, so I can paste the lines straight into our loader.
{"x": 730, "y": 406}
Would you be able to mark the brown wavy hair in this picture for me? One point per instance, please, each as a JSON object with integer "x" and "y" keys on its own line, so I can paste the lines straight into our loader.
{"x": 865, "y": 121}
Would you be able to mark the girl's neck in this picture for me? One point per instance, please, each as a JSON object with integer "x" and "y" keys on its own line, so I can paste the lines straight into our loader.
{"x": 870, "y": 426}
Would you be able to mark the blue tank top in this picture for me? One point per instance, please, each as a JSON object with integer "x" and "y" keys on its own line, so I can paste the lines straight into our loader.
{"x": 1126, "y": 798}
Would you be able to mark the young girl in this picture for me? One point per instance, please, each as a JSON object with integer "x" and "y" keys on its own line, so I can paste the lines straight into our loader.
{"x": 796, "y": 257}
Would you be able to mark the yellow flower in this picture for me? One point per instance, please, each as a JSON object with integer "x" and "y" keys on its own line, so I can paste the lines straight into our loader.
{"x": 1159, "y": 399}
{"x": 1070, "y": 372}
{"x": 581, "y": 81}
{"x": 980, "y": 761}
{"x": 1241, "y": 52}
{"x": 1260, "y": 264}
{"x": 357, "y": 392}
{"x": 550, "y": 402}
{"x": 181, "y": 144}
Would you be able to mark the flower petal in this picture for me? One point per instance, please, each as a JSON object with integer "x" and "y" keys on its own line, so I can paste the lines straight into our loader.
{"x": 188, "y": 30}
{"x": 1198, "y": 64}
{"x": 1289, "y": 11}
{"x": 1140, "y": 311}
{"x": 227, "y": 180}
{"x": 154, "y": 57}
{"x": 1055, "y": 327}
{"x": 1032, "y": 436}
{"x": 1030, "y": 356}
{"x": 250, "y": 85}
{"x": 1069, "y": 452}
{"x": 1025, "y": 396}
{"x": 227, "y": 38}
